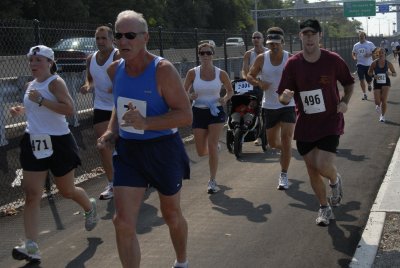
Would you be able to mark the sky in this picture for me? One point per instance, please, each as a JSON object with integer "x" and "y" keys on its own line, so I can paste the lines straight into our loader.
{"x": 379, "y": 24}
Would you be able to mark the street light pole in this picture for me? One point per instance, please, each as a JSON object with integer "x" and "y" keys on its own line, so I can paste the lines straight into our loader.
{"x": 255, "y": 16}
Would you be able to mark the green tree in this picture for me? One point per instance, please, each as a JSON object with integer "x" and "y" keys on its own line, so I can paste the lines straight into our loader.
{"x": 14, "y": 8}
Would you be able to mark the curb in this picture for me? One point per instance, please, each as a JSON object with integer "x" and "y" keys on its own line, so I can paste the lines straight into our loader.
{"x": 368, "y": 246}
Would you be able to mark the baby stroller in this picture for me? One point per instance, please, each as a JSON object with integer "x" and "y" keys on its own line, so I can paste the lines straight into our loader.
{"x": 247, "y": 128}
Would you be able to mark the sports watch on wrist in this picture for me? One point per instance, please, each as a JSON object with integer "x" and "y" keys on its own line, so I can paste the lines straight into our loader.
{"x": 40, "y": 100}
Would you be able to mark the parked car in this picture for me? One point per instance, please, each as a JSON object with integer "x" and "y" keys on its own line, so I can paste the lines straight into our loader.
{"x": 234, "y": 42}
{"x": 211, "y": 42}
{"x": 70, "y": 53}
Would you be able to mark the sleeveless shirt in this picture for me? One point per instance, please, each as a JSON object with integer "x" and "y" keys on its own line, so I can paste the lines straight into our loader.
{"x": 208, "y": 91}
{"x": 272, "y": 74}
{"x": 102, "y": 83}
{"x": 142, "y": 91}
{"x": 41, "y": 120}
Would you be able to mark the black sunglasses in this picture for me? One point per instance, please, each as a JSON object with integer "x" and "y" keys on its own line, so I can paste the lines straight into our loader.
{"x": 257, "y": 37}
{"x": 208, "y": 53}
{"x": 274, "y": 36}
{"x": 128, "y": 35}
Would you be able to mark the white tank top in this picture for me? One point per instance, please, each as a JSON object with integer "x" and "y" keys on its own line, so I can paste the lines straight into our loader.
{"x": 41, "y": 120}
{"x": 272, "y": 74}
{"x": 208, "y": 91}
{"x": 103, "y": 100}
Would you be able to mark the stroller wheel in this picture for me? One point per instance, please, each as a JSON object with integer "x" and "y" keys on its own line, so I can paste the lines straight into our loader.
{"x": 229, "y": 141}
{"x": 237, "y": 143}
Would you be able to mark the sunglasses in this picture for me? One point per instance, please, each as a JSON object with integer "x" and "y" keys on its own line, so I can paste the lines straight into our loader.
{"x": 256, "y": 37}
{"x": 208, "y": 53}
{"x": 128, "y": 35}
{"x": 274, "y": 37}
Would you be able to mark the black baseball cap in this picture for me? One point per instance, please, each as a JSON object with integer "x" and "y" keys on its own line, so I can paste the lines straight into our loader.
{"x": 310, "y": 25}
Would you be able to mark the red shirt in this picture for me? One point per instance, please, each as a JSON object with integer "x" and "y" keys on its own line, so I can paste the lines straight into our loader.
{"x": 316, "y": 94}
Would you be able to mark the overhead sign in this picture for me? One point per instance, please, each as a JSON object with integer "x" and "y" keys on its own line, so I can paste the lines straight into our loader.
{"x": 359, "y": 8}
{"x": 383, "y": 8}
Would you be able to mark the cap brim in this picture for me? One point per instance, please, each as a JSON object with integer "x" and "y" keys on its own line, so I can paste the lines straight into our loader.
{"x": 308, "y": 29}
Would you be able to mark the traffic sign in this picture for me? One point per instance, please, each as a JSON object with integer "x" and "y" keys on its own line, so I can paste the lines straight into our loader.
{"x": 359, "y": 8}
{"x": 383, "y": 8}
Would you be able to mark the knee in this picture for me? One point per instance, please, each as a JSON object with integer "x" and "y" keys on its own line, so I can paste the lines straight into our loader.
{"x": 172, "y": 218}
{"x": 67, "y": 193}
{"x": 124, "y": 226}
{"x": 32, "y": 196}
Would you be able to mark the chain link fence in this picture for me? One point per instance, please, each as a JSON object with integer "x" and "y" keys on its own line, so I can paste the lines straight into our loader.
{"x": 179, "y": 47}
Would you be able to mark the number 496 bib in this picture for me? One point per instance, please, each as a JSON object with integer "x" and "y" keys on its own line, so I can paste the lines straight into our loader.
{"x": 41, "y": 146}
{"x": 313, "y": 101}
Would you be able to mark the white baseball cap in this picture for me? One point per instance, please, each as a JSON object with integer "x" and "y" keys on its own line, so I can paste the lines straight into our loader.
{"x": 42, "y": 51}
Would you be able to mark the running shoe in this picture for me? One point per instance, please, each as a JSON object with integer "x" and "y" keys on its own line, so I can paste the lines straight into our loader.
{"x": 336, "y": 192}
{"x": 364, "y": 97}
{"x": 257, "y": 142}
{"x": 183, "y": 265}
{"x": 369, "y": 87}
{"x": 378, "y": 109}
{"x": 382, "y": 119}
{"x": 283, "y": 182}
{"x": 324, "y": 216}
{"x": 212, "y": 187}
{"x": 28, "y": 251}
{"x": 108, "y": 192}
{"x": 91, "y": 216}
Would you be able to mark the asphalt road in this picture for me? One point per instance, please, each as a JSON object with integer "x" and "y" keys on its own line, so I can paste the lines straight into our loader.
{"x": 249, "y": 223}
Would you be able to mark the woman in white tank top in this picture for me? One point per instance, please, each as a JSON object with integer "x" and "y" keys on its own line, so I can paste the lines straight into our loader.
{"x": 47, "y": 145}
{"x": 208, "y": 114}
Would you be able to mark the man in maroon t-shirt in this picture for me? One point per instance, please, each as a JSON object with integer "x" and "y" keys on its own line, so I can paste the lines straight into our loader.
{"x": 310, "y": 77}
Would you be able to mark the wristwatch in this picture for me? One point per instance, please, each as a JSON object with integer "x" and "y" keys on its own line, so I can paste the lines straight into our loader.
{"x": 40, "y": 100}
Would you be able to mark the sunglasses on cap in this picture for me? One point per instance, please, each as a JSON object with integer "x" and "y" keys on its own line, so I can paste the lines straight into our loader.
{"x": 274, "y": 37}
{"x": 128, "y": 35}
{"x": 208, "y": 53}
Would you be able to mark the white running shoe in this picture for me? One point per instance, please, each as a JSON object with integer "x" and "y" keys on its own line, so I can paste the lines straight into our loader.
{"x": 212, "y": 187}
{"x": 382, "y": 119}
{"x": 91, "y": 216}
{"x": 257, "y": 142}
{"x": 378, "y": 109}
{"x": 28, "y": 251}
{"x": 283, "y": 182}
{"x": 108, "y": 193}
{"x": 336, "y": 192}
{"x": 324, "y": 216}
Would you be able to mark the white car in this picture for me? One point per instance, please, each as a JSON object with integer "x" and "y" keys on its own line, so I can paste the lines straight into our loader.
{"x": 234, "y": 42}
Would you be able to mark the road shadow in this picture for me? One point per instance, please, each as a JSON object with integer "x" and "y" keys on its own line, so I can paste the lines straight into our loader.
{"x": 341, "y": 242}
{"x": 110, "y": 210}
{"x": 346, "y": 153}
{"x": 389, "y": 122}
{"x": 309, "y": 201}
{"x": 87, "y": 254}
{"x": 239, "y": 206}
{"x": 148, "y": 217}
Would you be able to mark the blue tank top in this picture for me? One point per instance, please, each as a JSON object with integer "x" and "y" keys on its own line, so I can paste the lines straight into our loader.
{"x": 142, "y": 92}
{"x": 379, "y": 70}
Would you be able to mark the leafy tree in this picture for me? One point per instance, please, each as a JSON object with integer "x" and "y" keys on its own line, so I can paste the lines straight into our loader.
{"x": 13, "y": 8}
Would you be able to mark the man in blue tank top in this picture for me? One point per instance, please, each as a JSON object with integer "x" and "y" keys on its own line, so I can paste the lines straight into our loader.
{"x": 150, "y": 103}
